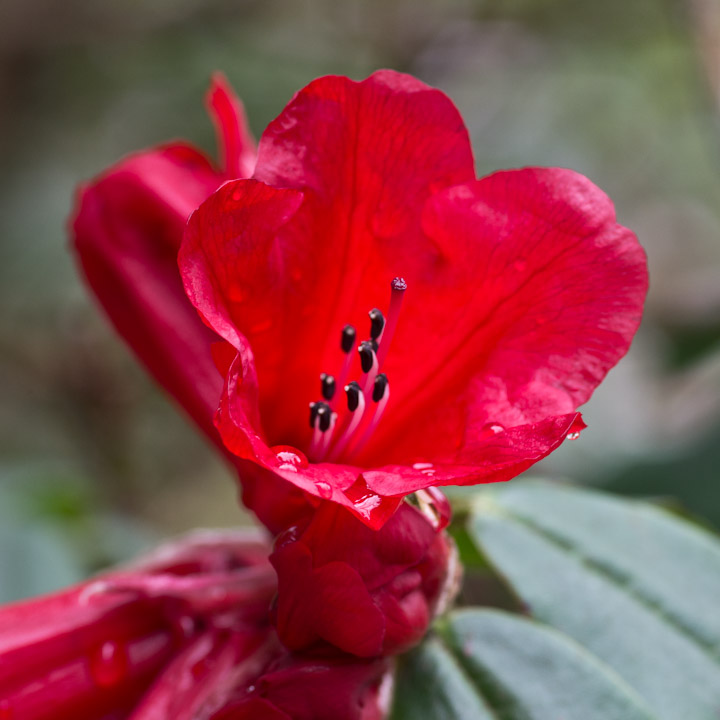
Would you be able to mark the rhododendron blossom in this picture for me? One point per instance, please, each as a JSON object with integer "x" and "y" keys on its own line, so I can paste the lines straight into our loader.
{"x": 440, "y": 329}
{"x": 370, "y": 321}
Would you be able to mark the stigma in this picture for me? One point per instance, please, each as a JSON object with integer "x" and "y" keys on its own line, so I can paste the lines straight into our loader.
{"x": 341, "y": 430}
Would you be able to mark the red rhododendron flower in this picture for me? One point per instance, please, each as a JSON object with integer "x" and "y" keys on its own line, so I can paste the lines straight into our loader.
{"x": 510, "y": 297}
{"x": 513, "y": 296}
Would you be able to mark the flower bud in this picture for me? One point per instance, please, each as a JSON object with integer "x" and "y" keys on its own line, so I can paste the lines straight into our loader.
{"x": 94, "y": 649}
{"x": 364, "y": 592}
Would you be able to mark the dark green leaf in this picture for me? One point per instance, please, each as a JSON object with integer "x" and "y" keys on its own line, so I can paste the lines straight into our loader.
{"x": 635, "y": 585}
{"x": 491, "y": 665}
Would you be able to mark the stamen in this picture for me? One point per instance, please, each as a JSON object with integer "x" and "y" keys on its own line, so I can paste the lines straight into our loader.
{"x": 321, "y": 423}
{"x": 377, "y": 323}
{"x": 367, "y": 355}
{"x": 327, "y": 435}
{"x": 347, "y": 343}
{"x": 353, "y": 392}
{"x": 356, "y": 426}
{"x": 381, "y": 395}
{"x": 323, "y": 416}
{"x": 369, "y": 365}
{"x": 356, "y": 406}
{"x": 379, "y": 387}
{"x": 327, "y": 386}
{"x": 347, "y": 338}
{"x": 398, "y": 286}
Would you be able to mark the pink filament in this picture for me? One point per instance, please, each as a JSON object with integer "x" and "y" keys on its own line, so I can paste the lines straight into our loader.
{"x": 345, "y": 438}
{"x": 379, "y": 410}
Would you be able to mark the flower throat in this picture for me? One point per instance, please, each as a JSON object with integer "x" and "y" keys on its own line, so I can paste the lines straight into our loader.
{"x": 335, "y": 436}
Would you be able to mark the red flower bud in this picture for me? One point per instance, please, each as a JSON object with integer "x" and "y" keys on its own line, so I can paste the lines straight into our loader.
{"x": 92, "y": 651}
{"x": 127, "y": 228}
{"x": 358, "y": 590}
{"x": 309, "y": 689}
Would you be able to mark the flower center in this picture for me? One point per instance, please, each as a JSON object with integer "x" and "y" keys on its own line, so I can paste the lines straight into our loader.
{"x": 337, "y": 432}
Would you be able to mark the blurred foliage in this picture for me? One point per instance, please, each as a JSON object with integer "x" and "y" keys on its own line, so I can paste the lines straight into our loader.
{"x": 95, "y": 458}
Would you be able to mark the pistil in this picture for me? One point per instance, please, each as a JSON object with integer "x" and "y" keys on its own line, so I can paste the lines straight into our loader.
{"x": 398, "y": 286}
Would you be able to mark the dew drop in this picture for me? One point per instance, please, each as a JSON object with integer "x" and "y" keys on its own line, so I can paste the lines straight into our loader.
{"x": 91, "y": 591}
{"x": 6, "y": 710}
{"x": 366, "y": 504}
{"x": 573, "y": 435}
{"x": 289, "y": 458}
{"x": 290, "y": 535}
{"x": 425, "y": 468}
{"x": 324, "y": 489}
{"x": 491, "y": 429}
{"x": 109, "y": 664}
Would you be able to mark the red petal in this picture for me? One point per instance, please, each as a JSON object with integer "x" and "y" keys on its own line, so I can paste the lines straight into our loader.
{"x": 366, "y": 157}
{"x": 330, "y": 603}
{"x": 232, "y": 265}
{"x": 236, "y": 144}
{"x": 487, "y": 459}
{"x": 539, "y": 295}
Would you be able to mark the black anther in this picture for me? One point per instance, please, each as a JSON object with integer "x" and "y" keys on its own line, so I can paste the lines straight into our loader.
{"x": 352, "y": 390}
{"x": 379, "y": 387}
{"x": 347, "y": 338}
{"x": 377, "y": 323}
{"x": 327, "y": 386}
{"x": 367, "y": 352}
{"x": 313, "y": 413}
{"x": 324, "y": 414}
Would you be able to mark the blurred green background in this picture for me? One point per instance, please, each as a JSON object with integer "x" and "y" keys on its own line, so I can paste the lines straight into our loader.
{"x": 95, "y": 463}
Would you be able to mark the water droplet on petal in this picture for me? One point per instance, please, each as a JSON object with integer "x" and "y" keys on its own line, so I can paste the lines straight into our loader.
{"x": 289, "y": 458}
{"x": 91, "y": 591}
{"x": 324, "y": 489}
{"x": 491, "y": 429}
{"x": 367, "y": 503}
{"x": 286, "y": 537}
{"x": 425, "y": 468}
{"x": 573, "y": 435}
{"x": 364, "y": 500}
{"x": 109, "y": 664}
{"x": 6, "y": 710}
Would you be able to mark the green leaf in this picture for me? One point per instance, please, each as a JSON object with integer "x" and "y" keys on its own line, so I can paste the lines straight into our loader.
{"x": 634, "y": 584}
{"x": 491, "y": 665}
